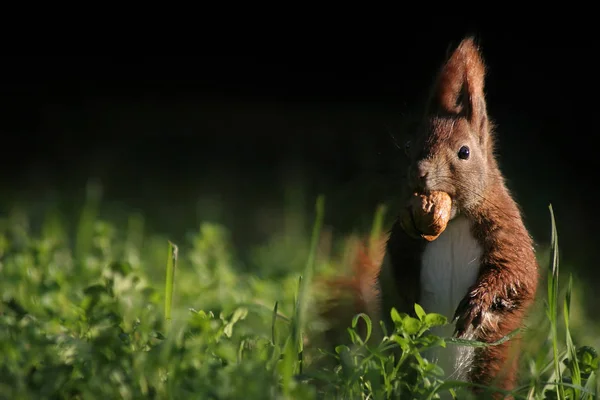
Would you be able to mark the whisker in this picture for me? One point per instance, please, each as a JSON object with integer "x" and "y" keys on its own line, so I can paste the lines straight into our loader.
{"x": 389, "y": 131}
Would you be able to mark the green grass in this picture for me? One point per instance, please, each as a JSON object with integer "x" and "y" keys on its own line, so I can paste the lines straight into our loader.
{"x": 110, "y": 313}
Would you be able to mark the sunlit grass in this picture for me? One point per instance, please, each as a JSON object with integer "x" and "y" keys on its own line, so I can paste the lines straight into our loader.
{"x": 111, "y": 313}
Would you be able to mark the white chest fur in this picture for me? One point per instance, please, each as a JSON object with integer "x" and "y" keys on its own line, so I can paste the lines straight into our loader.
{"x": 449, "y": 266}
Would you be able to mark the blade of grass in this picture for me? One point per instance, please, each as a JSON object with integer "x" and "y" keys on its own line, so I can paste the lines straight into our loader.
{"x": 476, "y": 343}
{"x": 293, "y": 349}
{"x": 171, "y": 263}
{"x": 310, "y": 267}
{"x": 273, "y": 332}
{"x": 572, "y": 350}
{"x": 553, "y": 305}
{"x": 591, "y": 387}
{"x": 258, "y": 307}
{"x": 290, "y": 349}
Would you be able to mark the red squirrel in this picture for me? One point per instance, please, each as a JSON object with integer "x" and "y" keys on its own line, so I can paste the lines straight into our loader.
{"x": 481, "y": 272}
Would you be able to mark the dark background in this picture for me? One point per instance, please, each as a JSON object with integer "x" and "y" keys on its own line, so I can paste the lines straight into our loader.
{"x": 224, "y": 138}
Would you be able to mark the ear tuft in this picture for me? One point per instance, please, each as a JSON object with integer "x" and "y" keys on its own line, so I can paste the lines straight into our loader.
{"x": 458, "y": 89}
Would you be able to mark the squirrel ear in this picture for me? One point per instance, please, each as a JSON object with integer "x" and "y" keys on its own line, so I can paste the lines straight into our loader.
{"x": 458, "y": 89}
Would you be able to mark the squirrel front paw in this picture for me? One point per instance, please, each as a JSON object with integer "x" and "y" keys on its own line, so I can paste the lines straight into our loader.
{"x": 470, "y": 312}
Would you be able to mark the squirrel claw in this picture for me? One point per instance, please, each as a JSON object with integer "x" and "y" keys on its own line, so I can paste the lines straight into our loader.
{"x": 468, "y": 313}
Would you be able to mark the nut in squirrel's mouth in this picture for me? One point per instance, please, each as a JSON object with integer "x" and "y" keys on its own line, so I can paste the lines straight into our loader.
{"x": 427, "y": 215}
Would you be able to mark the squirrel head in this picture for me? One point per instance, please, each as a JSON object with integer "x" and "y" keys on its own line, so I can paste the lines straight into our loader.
{"x": 452, "y": 150}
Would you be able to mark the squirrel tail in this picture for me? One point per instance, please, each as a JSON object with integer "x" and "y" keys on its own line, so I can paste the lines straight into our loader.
{"x": 357, "y": 293}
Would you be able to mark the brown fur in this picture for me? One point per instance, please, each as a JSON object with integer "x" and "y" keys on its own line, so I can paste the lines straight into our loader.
{"x": 506, "y": 286}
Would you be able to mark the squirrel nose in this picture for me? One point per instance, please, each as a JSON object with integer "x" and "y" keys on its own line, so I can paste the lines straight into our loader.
{"x": 421, "y": 173}
{"x": 422, "y": 170}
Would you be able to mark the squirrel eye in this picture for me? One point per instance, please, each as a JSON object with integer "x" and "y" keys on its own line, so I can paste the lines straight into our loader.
{"x": 464, "y": 153}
